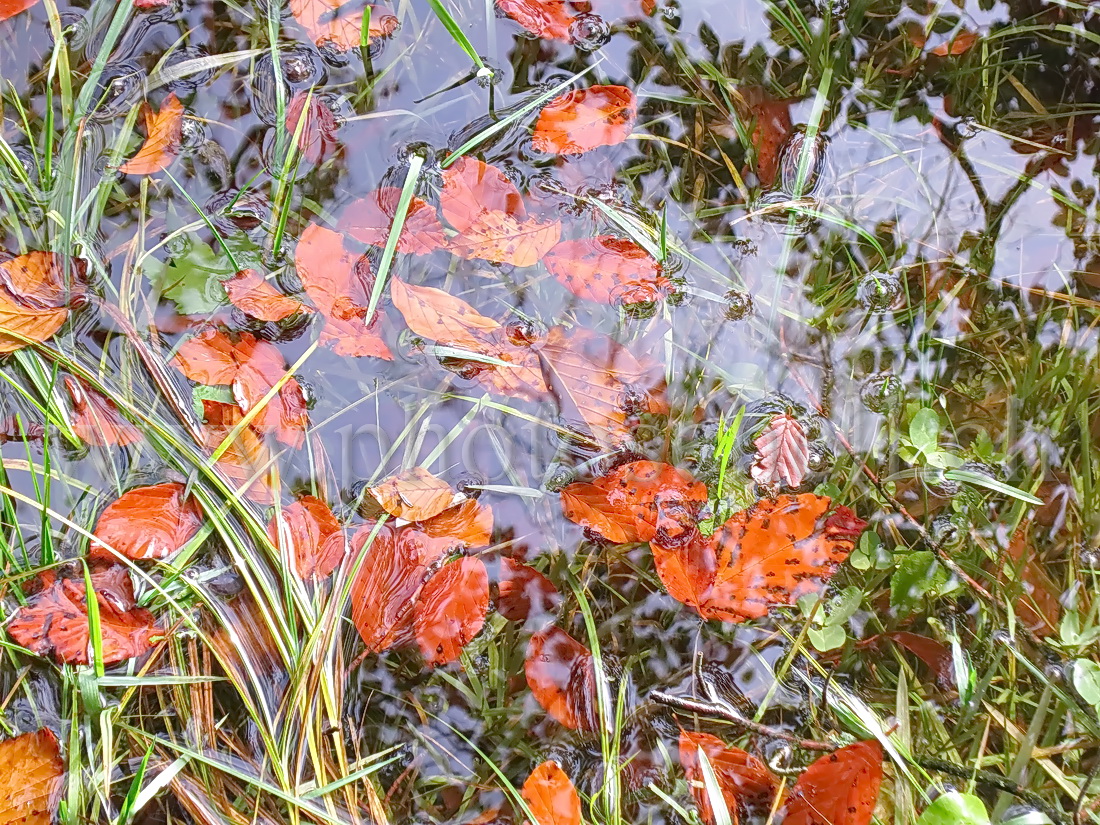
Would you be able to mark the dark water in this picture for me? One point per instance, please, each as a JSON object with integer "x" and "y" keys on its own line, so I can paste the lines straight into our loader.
{"x": 944, "y": 253}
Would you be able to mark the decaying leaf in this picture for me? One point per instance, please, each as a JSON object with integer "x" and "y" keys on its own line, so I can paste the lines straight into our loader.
{"x": 584, "y": 119}
{"x": 31, "y": 778}
{"x": 253, "y": 295}
{"x": 637, "y": 502}
{"x": 522, "y": 591}
{"x": 148, "y": 523}
{"x": 247, "y": 461}
{"x": 34, "y": 298}
{"x": 608, "y": 270}
{"x": 339, "y": 285}
{"x": 313, "y": 122}
{"x": 338, "y": 24}
{"x": 550, "y": 19}
{"x": 451, "y": 609}
{"x": 841, "y": 787}
{"x": 415, "y": 495}
{"x": 1039, "y": 606}
{"x": 96, "y": 420}
{"x": 961, "y": 43}
{"x": 562, "y": 678}
{"x": 54, "y": 621}
{"x": 370, "y": 219}
{"x": 309, "y": 533}
{"x": 748, "y": 786}
{"x": 772, "y": 127}
{"x": 768, "y": 555}
{"x": 163, "y": 133}
{"x": 551, "y": 796}
{"x": 782, "y": 453}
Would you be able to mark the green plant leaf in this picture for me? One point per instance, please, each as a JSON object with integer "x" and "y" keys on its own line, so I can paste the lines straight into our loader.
{"x": 871, "y": 553}
{"x": 826, "y": 638}
{"x": 924, "y": 430}
{"x": 918, "y": 575}
{"x": 955, "y": 808}
{"x": 1086, "y": 680}
{"x": 192, "y": 279}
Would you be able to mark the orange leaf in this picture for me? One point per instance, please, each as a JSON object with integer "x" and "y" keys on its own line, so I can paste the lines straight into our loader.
{"x": 770, "y": 554}
{"x": 584, "y": 119}
{"x": 339, "y": 23}
{"x": 451, "y": 609}
{"x": 163, "y": 133}
{"x": 469, "y": 525}
{"x": 782, "y": 453}
{"x": 562, "y": 679}
{"x": 414, "y": 495}
{"x": 209, "y": 357}
{"x": 840, "y": 788}
{"x": 148, "y": 523}
{"x": 10, "y": 8}
{"x": 598, "y": 384}
{"x": 253, "y": 295}
{"x": 33, "y": 298}
{"x": 317, "y": 138}
{"x": 607, "y": 270}
{"x": 334, "y": 280}
{"x": 636, "y": 502}
{"x": 550, "y": 19}
{"x": 550, "y": 795}
{"x": 502, "y": 239}
{"x": 246, "y": 461}
{"x": 959, "y": 44}
{"x": 748, "y": 786}
{"x": 96, "y": 419}
{"x": 311, "y": 536}
{"x": 370, "y": 219}
{"x": 31, "y": 773}
{"x": 54, "y": 620}
{"x": 523, "y": 590}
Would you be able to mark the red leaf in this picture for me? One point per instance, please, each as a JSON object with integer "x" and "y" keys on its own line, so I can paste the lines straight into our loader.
{"x": 96, "y": 419}
{"x": 607, "y": 270}
{"x": 550, "y": 795}
{"x": 339, "y": 23}
{"x": 782, "y": 453}
{"x": 452, "y": 609}
{"x": 770, "y": 554}
{"x": 636, "y": 502}
{"x": 546, "y": 18}
{"x": 163, "y": 133}
{"x": 10, "y": 8}
{"x": 309, "y": 533}
{"x": 147, "y": 523}
{"x": 31, "y": 774}
{"x": 55, "y": 620}
{"x": 317, "y": 134}
{"x": 584, "y": 119}
{"x": 333, "y": 279}
{"x": 748, "y": 786}
{"x": 562, "y": 678}
{"x": 840, "y": 788}
{"x": 253, "y": 295}
{"x": 370, "y": 219}
{"x": 414, "y": 495}
{"x": 523, "y": 590}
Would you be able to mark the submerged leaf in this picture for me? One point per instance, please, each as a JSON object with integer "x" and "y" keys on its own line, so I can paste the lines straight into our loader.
{"x": 608, "y": 270}
{"x": 339, "y": 23}
{"x": 747, "y": 784}
{"x": 247, "y": 461}
{"x": 562, "y": 678}
{"x": 370, "y": 219}
{"x": 840, "y": 788}
{"x": 584, "y": 119}
{"x": 148, "y": 522}
{"x": 415, "y": 495}
{"x": 34, "y": 298}
{"x": 452, "y": 609}
{"x": 253, "y": 295}
{"x": 163, "y": 133}
{"x": 310, "y": 534}
{"x": 546, "y": 18}
{"x": 313, "y": 122}
{"x": 551, "y": 796}
{"x": 31, "y": 774}
{"x": 782, "y": 453}
{"x": 96, "y": 419}
{"x": 522, "y": 591}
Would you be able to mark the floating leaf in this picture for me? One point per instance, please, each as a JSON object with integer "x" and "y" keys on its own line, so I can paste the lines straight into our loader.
{"x": 562, "y": 678}
{"x": 503, "y": 239}
{"x": 782, "y": 453}
{"x": 339, "y": 23}
{"x": 551, "y": 797}
{"x": 148, "y": 522}
{"x": 607, "y": 270}
{"x": 451, "y": 609}
{"x": 308, "y": 117}
{"x": 96, "y": 420}
{"x": 370, "y": 219}
{"x": 415, "y": 495}
{"x": 311, "y": 536}
{"x": 339, "y": 285}
{"x": 54, "y": 621}
{"x": 550, "y": 19}
{"x": 163, "y": 133}
{"x": 748, "y": 786}
{"x": 522, "y": 591}
{"x": 253, "y": 295}
{"x": 31, "y": 774}
{"x": 773, "y": 553}
{"x": 584, "y": 119}
{"x": 247, "y": 461}
{"x": 33, "y": 298}
{"x": 840, "y": 788}
{"x": 636, "y": 502}
{"x": 469, "y": 525}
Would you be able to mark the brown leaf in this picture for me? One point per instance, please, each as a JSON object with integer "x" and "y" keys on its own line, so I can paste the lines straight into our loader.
{"x": 162, "y": 141}
{"x": 339, "y": 23}
{"x": 782, "y": 453}
{"x": 333, "y": 279}
{"x": 748, "y": 786}
{"x": 584, "y": 119}
{"x": 31, "y": 774}
{"x": 637, "y": 502}
{"x": 550, "y": 795}
{"x": 10, "y": 8}
{"x": 96, "y": 420}
{"x": 1039, "y": 606}
{"x": 308, "y": 117}
{"x": 771, "y": 130}
{"x": 147, "y": 523}
{"x": 253, "y": 295}
{"x": 247, "y": 461}
{"x": 840, "y": 788}
{"x": 414, "y": 495}
{"x": 311, "y": 536}
{"x": 33, "y": 298}
{"x": 770, "y": 554}
{"x": 54, "y": 622}
{"x": 370, "y": 219}
{"x": 562, "y": 678}
{"x": 522, "y": 591}
{"x": 961, "y": 43}
{"x": 607, "y": 270}
{"x": 451, "y": 609}
{"x": 550, "y": 19}
{"x": 469, "y": 525}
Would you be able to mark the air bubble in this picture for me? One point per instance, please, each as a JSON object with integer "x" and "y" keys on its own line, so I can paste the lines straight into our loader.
{"x": 945, "y": 531}
{"x": 821, "y": 458}
{"x": 882, "y": 393}
{"x": 589, "y": 32}
{"x": 739, "y": 305}
{"x": 878, "y": 291}
{"x": 192, "y": 133}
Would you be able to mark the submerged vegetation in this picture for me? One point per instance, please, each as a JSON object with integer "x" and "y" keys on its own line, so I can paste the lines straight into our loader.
{"x": 623, "y": 411}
